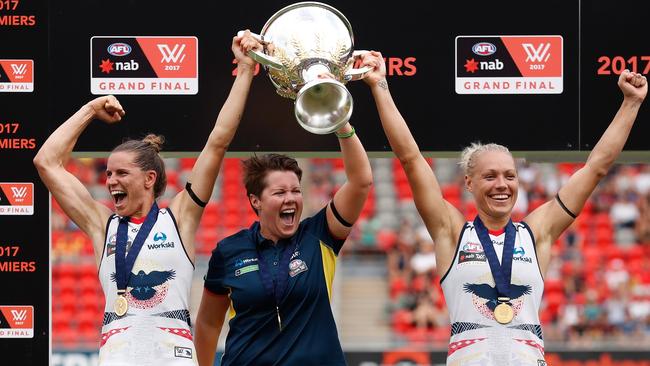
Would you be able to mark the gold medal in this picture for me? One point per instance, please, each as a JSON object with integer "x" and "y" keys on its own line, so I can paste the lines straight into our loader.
{"x": 503, "y": 313}
{"x": 121, "y": 305}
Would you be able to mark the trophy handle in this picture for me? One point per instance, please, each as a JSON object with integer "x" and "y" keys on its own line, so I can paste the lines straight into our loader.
{"x": 357, "y": 74}
{"x": 261, "y": 57}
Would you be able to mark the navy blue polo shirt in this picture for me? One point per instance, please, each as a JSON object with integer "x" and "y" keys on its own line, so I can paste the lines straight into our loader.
{"x": 308, "y": 335}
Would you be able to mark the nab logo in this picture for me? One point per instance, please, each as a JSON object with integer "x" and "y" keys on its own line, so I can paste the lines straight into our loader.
{"x": 131, "y": 65}
{"x": 484, "y": 48}
{"x": 171, "y": 55}
{"x": 537, "y": 54}
{"x": 19, "y": 70}
{"x": 119, "y": 49}
{"x": 160, "y": 236}
{"x": 19, "y": 193}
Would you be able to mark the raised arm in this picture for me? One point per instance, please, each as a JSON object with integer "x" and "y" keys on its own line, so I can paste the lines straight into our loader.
{"x": 75, "y": 200}
{"x": 550, "y": 219}
{"x": 205, "y": 170}
{"x": 349, "y": 199}
{"x": 443, "y": 220}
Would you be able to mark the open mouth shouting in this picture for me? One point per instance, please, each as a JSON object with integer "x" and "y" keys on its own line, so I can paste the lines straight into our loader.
{"x": 118, "y": 198}
{"x": 288, "y": 216}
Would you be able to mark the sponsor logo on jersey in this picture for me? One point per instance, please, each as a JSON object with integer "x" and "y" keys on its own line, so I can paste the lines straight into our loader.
{"x": 471, "y": 252}
{"x": 247, "y": 269}
{"x": 182, "y": 352}
{"x": 159, "y": 237}
{"x": 470, "y": 247}
{"x": 242, "y": 262}
{"x": 519, "y": 254}
{"x": 160, "y": 241}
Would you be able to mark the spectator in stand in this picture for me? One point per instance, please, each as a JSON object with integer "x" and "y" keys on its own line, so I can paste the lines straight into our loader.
{"x": 605, "y": 195}
{"x": 624, "y": 212}
{"x": 573, "y": 240}
{"x": 569, "y": 318}
{"x": 625, "y": 178}
{"x": 616, "y": 275}
{"x": 426, "y": 314}
{"x": 631, "y": 328}
{"x": 642, "y": 180}
{"x": 424, "y": 259}
{"x": 642, "y": 225}
{"x": 616, "y": 307}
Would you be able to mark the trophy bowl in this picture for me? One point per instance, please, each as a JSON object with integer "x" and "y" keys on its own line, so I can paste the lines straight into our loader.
{"x": 301, "y": 42}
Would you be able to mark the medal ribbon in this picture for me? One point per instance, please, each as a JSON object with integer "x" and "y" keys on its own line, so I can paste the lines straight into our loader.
{"x": 502, "y": 273}
{"x": 124, "y": 262}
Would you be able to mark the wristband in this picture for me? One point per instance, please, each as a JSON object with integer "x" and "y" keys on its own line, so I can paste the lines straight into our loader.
{"x": 345, "y": 135}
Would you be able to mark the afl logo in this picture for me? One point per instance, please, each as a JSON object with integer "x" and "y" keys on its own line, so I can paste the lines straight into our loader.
{"x": 484, "y": 48}
{"x": 119, "y": 49}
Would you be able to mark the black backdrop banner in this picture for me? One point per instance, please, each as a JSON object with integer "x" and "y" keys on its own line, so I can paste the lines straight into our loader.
{"x": 24, "y": 200}
{"x": 418, "y": 40}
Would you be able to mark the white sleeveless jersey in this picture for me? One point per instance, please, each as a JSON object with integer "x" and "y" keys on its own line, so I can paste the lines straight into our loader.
{"x": 470, "y": 292}
{"x": 156, "y": 329}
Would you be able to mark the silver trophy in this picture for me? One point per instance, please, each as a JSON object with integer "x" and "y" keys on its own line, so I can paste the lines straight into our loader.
{"x": 302, "y": 41}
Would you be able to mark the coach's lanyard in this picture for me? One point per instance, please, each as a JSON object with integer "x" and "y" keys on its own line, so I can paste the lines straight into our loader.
{"x": 276, "y": 289}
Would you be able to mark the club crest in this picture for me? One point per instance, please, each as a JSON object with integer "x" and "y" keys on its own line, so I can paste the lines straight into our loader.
{"x": 296, "y": 267}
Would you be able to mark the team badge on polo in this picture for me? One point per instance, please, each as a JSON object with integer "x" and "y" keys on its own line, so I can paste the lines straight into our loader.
{"x": 296, "y": 267}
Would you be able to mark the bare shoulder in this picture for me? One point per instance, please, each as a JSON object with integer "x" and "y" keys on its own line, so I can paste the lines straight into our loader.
{"x": 446, "y": 246}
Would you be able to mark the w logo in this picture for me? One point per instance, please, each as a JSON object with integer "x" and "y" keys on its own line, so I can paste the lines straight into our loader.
{"x": 170, "y": 55}
{"x": 19, "y": 69}
{"x": 539, "y": 54}
{"x": 19, "y": 192}
{"x": 19, "y": 315}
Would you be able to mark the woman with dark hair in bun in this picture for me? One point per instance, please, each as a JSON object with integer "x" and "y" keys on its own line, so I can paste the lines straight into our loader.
{"x": 145, "y": 254}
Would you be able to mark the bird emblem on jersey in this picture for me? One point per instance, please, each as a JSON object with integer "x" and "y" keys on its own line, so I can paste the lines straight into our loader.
{"x": 489, "y": 293}
{"x": 142, "y": 284}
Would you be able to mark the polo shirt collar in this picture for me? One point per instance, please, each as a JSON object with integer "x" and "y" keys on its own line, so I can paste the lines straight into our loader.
{"x": 261, "y": 241}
